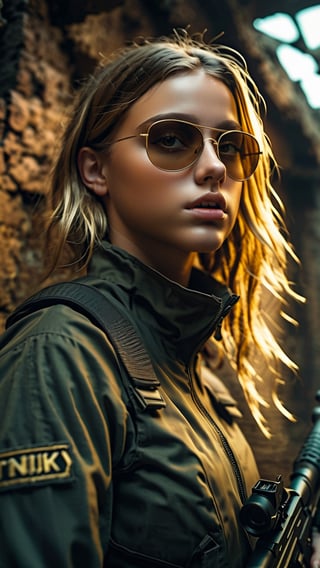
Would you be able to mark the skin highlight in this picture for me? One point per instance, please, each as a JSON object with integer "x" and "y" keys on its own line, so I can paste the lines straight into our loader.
{"x": 149, "y": 211}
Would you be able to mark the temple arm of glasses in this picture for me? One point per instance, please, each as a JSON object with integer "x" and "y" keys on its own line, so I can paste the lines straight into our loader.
{"x": 128, "y": 137}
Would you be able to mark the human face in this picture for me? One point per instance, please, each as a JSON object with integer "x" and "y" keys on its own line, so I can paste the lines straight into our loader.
{"x": 164, "y": 217}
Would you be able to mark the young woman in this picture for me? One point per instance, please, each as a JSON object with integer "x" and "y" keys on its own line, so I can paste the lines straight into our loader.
{"x": 162, "y": 189}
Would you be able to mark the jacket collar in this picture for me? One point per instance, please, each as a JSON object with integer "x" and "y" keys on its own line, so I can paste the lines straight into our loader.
{"x": 185, "y": 317}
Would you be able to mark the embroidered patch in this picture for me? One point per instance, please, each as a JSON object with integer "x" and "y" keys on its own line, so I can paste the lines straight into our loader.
{"x": 39, "y": 465}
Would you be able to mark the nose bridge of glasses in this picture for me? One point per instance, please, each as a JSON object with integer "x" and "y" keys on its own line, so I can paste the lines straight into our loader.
{"x": 214, "y": 145}
{"x": 213, "y": 141}
{"x": 210, "y": 149}
{"x": 212, "y": 135}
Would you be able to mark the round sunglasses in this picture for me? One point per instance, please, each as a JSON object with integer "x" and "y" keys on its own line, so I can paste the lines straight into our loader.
{"x": 174, "y": 145}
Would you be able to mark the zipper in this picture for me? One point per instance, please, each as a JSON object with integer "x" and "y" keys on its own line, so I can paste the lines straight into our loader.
{"x": 224, "y": 442}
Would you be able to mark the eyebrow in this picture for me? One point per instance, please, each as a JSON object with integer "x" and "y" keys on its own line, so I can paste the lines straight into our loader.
{"x": 226, "y": 124}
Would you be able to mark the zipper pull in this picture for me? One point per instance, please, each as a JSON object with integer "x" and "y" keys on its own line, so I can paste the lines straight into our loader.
{"x": 229, "y": 304}
{"x": 217, "y": 333}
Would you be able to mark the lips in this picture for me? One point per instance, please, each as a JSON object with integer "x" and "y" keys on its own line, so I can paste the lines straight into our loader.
{"x": 208, "y": 205}
{"x": 209, "y": 201}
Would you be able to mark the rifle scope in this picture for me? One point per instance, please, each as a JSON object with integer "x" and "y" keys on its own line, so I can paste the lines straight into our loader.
{"x": 264, "y": 509}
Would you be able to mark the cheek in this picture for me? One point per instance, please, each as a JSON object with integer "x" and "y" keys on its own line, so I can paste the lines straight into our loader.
{"x": 132, "y": 177}
{"x": 129, "y": 168}
{"x": 234, "y": 203}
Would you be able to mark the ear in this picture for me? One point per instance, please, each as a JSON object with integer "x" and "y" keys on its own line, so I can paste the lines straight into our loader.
{"x": 91, "y": 168}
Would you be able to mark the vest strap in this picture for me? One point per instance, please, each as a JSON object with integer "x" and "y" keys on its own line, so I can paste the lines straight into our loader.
{"x": 128, "y": 345}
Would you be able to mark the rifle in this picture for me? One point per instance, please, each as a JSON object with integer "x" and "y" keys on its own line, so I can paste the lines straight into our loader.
{"x": 282, "y": 518}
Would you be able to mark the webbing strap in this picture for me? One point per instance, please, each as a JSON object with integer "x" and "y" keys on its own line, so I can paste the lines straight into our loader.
{"x": 90, "y": 302}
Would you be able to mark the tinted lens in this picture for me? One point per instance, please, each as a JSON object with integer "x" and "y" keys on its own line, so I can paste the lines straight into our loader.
{"x": 239, "y": 152}
{"x": 173, "y": 145}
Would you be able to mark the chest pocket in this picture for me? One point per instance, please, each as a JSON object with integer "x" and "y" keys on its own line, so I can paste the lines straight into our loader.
{"x": 223, "y": 402}
{"x": 207, "y": 555}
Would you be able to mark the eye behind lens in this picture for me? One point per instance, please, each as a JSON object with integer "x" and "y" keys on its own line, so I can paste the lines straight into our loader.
{"x": 242, "y": 156}
{"x": 174, "y": 145}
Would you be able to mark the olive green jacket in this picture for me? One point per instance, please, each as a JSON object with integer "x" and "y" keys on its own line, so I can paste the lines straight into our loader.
{"x": 87, "y": 479}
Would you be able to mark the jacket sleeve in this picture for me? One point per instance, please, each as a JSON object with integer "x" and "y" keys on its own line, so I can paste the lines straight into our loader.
{"x": 62, "y": 430}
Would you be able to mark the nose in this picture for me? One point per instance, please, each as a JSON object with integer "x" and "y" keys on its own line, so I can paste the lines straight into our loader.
{"x": 209, "y": 166}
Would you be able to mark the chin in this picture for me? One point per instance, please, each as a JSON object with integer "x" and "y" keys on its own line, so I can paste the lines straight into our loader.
{"x": 210, "y": 247}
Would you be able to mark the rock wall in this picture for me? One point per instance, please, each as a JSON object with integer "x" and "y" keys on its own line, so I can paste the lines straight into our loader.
{"x": 33, "y": 98}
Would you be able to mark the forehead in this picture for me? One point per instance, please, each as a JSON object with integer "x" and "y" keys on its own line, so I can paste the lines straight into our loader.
{"x": 195, "y": 94}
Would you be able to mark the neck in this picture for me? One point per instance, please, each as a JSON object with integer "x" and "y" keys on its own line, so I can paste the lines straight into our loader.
{"x": 176, "y": 266}
{"x": 179, "y": 273}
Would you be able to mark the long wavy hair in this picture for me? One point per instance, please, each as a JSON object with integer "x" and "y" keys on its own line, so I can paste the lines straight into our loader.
{"x": 253, "y": 258}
